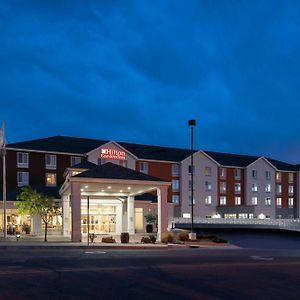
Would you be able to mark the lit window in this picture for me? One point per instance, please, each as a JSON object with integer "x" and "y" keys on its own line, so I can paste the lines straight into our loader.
{"x": 291, "y": 202}
{"x": 278, "y": 188}
{"x": 144, "y": 167}
{"x": 176, "y": 199}
{"x": 243, "y": 216}
{"x": 22, "y": 179}
{"x": 22, "y": 160}
{"x": 237, "y": 174}
{"x": 222, "y": 187}
{"x": 278, "y": 176}
{"x": 268, "y": 201}
{"x": 268, "y": 175}
{"x": 237, "y": 187}
{"x": 223, "y": 200}
{"x": 75, "y": 160}
{"x": 175, "y": 170}
{"x": 50, "y": 162}
{"x": 279, "y": 201}
{"x": 291, "y": 177}
{"x": 237, "y": 200}
{"x": 190, "y": 200}
{"x": 208, "y": 186}
{"x": 254, "y": 200}
{"x": 254, "y": 174}
{"x": 222, "y": 173}
{"x": 50, "y": 179}
{"x": 291, "y": 189}
{"x": 254, "y": 187}
{"x": 268, "y": 188}
{"x": 175, "y": 184}
{"x": 207, "y": 171}
{"x": 208, "y": 200}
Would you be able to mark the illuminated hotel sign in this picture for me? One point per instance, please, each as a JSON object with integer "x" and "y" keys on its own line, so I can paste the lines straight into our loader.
{"x": 113, "y": 154}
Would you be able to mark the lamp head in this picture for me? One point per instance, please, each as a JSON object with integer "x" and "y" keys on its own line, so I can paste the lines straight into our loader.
{"x": 192, "y": 122}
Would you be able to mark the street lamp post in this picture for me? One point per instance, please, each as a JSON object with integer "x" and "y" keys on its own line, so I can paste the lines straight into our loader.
{"x": 192, "y": 124}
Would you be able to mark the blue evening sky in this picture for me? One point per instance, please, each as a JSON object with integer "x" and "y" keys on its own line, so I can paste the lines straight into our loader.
{"x": 136, "y": 71}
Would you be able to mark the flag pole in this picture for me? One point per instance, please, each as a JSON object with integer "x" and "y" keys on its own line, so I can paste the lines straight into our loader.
{"x": 3, "y": 152}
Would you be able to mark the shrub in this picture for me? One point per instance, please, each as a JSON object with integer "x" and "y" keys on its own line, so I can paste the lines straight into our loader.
{"x": 108, "y": 239}
{"x": 152, "y": 238}
{"x": 124, "y": 237}
{"x": 182, "y": 236}
{"x": 146, "y": 240}
{"x": 167, "y": 238}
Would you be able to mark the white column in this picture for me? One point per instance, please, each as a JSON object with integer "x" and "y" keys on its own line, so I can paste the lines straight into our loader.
{"x": 158, "y": 215}
{"x": 37, "y": 224}
{"x": 66, "y": 215}
{"x": 119, "y": 219}
{"x": 130, "y": 215}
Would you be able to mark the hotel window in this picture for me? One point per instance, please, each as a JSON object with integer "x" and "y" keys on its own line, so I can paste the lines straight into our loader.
{"x": 291, "y": 177}
{"x": 237, "y": 187}
{"x": 291, "y": 189}
{"x": 278, "y": 189}
{"x": 190, "y": 169}
{"x": 237, "y": 200}
{"x": 144, "y": 167}
{"x": 254, "y": 187}
{"x": 208, "y": 186}
{"x": 207, "y": 171}
{"x": 278, "y": 176}
{"x": 254, "y": 174}
{"x": 268, "y": 188}
{"x": 75, "y": 160}
{"x": 222, "y": 173}
{"x": 22, "y": 179}
{"x": 243, "y": 216}
{"x": 50, "y": 162}
{"x": 50, "y": 179}
{"x": 254, "y": 200}
{"x": 223, "y": 200}
{"x": 22, "y": 160}
{"x": 268, "y": 201}
{"x": 268, "y": 175}
{"x": 208, "y": 200}
{"x": 175, "y": 184}
{"x": 279, "y": 201}
{"x": 190, "y": 200}
{"x": 237, "y": 174}
{"x": 291, "y": 202}
{"x": 175, "y": 170}
{"x": 222, "y": 187}
{"x": 176, "y": 199}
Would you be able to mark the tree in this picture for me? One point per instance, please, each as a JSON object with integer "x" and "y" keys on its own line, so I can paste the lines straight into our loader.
{"x": 32, "y": 202}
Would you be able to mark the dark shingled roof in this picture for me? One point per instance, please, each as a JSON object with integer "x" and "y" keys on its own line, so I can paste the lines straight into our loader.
{"x": 235, "y": 160}
{"x": 279, "y": 165}
{"x": 113, "y": 171}
{"x": 84, "y": 165}
{"x": 146, "y": 197}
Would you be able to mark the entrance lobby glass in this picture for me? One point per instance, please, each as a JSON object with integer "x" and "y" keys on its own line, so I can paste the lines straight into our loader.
{"x": 102, "y": 218}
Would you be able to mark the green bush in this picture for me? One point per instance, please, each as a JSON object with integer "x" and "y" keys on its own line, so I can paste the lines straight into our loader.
{"x": 182, "y": 236}
{"x": 167, "y": 238}
{"x": 146, "y": 240}
{"x": 152, "y": 238}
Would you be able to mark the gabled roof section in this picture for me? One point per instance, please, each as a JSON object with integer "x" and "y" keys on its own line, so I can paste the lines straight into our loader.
{"x": 113, "y": 171}
{"x": 234, "y": 160}
{"x": 282, "y": 166}
{"x": 84, "y": 165}
{"x": 156, "y": 152}
{"x": 63, "y": 144}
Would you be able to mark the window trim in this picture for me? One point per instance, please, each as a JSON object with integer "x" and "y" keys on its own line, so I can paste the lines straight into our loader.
{"x": 23, "y": 164}
{"x": 19, "y": 183}
{"x": 50, "y": 166}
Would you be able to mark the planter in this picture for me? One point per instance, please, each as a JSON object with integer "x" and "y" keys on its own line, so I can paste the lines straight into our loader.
{"x": 27, "y": 230}
{"x": 149, "y": 228}
{"x": 124, "y": 237}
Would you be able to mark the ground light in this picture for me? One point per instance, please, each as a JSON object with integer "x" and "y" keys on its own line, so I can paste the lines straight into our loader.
{"x": 192, "y": 124}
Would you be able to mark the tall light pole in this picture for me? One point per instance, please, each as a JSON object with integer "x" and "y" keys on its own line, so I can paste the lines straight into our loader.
{"x": 3, "y": 154}
{"x": 192, "y": 124}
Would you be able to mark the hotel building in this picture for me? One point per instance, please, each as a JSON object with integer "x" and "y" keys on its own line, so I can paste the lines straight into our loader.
{"x": 122, "y": 182}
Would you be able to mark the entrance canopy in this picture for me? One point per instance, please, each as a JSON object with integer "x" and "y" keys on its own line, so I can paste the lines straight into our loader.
{"x": 111, "y": 180}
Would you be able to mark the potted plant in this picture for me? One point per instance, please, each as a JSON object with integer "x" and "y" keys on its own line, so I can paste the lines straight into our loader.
{"x": 150, "y": 219}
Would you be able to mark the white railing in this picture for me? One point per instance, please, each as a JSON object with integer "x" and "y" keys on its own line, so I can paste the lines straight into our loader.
{"x": 288, "y": 224}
